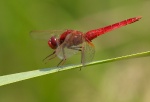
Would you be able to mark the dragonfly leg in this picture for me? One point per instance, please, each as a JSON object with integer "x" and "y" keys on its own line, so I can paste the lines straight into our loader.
{"x": 79, "y": 48}
{"x": 82, "y": 57}
{"x": 48, "y": 57}
{"x": 61, "y": 62}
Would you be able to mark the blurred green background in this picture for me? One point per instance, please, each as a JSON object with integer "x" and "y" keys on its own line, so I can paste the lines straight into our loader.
{"x": 122, "y": 81}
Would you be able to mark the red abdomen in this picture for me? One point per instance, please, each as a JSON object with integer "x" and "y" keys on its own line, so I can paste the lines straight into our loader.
{"x": 90, "y": 35}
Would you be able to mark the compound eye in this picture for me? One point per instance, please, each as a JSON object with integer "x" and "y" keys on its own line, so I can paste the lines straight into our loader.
{"x": 52, "y": 42}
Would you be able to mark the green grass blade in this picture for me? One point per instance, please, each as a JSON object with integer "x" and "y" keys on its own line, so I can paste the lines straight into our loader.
{"x": 7, "y": 79}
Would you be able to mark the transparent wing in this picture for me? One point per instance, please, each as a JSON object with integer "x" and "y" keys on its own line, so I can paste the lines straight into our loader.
{"x": 88, "y": 52}
{"x": 45, "y": 34}
{"x": 64, "y": 52}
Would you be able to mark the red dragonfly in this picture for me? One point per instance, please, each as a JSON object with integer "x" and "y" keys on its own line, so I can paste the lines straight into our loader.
{"x": 69, "y": 42}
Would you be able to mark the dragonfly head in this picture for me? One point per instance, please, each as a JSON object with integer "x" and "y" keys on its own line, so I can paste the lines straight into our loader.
{"x": 53, "y": 42}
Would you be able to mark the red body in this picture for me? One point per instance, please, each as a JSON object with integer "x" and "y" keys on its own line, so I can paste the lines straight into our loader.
{"x": 71, "y": 41}
{"x": 88, "y": 36}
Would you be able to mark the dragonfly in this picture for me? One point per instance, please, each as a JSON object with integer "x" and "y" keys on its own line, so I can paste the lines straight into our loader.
{"x": 66, "y": 43}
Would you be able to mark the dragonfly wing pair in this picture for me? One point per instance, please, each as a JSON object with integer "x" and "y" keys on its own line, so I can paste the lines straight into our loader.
{"x": 74, "y": 43}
